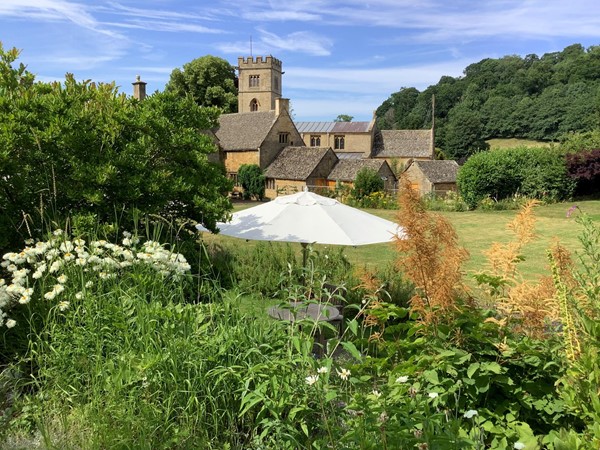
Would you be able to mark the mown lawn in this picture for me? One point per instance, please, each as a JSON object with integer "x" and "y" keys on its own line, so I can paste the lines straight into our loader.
{"x": 477, "y": 230}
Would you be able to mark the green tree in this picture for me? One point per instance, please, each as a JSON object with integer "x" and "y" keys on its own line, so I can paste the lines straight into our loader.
{"x": 367, "y": 181}
{"x": 464, "y": 133}
{"x": 343, "y": 118}
{"x": 210, "y": 80}
{"x": 81, "y": 148}
{"x": 252, "y": 179}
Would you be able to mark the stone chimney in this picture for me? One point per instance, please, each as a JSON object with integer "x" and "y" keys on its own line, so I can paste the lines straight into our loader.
{"x": 282, "y": 104}
{"x": 139, "y": 88}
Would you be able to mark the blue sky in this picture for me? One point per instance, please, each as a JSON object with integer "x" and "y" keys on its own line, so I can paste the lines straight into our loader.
{"x": 339, "y": 57}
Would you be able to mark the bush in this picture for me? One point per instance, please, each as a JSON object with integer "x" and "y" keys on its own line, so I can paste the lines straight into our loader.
{"x": 367, "y": 182}
{"x": 252, "y": 179}
{"x": 532, "y": 172}
{"x": 451, "y": 201}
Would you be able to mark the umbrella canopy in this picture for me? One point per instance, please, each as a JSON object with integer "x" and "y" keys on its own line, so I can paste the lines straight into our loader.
{"x": 309, "y": 218}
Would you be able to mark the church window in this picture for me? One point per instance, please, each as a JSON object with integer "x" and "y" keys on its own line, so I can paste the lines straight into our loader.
{"x": 254, "y": 105}
{"x": 338, "y": 142}
{"x": 315, "y": 141}
{"x": 254, "y": 80}
{"x": 284, "y": 138}
{"x": 276, "y": 83}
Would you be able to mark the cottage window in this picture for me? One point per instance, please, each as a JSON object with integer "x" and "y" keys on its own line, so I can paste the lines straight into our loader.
{"x": 270, "y": 183}
{"x": 338, "y": 142}
{"x": 284, "y": 138}
{"x": 254, "y": 105}
{"x": 315, "y": 141}
{"x": 254, "y": 80}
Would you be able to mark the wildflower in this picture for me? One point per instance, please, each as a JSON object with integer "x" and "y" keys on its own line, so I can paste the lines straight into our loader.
{"x": 570, "y": 212}
{"x": 56, "y": 265}
{"x": 312, "y": 379}
{"x": 322, "y": 370}
{"x": 89, "y": 284}
{"x": 519, "y": 445}
{"x": 402, "y": 379}
{"x": 62, "y": 279}
{"x": 470, "y": 413}
{"x": 376, "y": 393}
{"x": 64, "y": 305}
{"x": 29, "y": 241}
{"x": 343, "y": 374}
{"x": 433, "y": 395}
{"x": 58, "y": 232}
{"x": 10, "y": 323}
{"x": 79, "y": 295}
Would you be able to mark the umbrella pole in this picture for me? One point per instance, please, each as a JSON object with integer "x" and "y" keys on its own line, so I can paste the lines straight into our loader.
{"x": 304, "y": 254}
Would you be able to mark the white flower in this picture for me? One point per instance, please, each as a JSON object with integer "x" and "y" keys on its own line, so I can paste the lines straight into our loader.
{"x": 376, "y": 393}
{"x": 343, "y": 374}
{"x": 311, "y": 379}
{"x": 64, "y": 305}
{"x": 433, "y": 395}
{"x": 58, "y": 232}
{"x": 89, "y": 284}
{"x": 470, "y": 413}
{"x": 62, "y": 279}
{"x": 79, "y": 295}
{"x": 322, "y": 370}
{"x": 10, "y": 323}
{"x": 402, "y": 379}
{"x": 519, "y": 445}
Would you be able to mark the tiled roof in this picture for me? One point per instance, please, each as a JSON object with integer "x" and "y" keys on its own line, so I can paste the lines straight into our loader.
{"x": 438, "y": 171}
{"x": 346, "y": 169}
{"x": 402, "y": 144}
{"x": 244, "y": 131}
{"x": 333, "y": 127}
{"x": 296, "y": 163}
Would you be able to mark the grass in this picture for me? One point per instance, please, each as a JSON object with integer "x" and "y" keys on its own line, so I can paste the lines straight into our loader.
{"x": 477, "y": 230}
{"x": 514, "y": 142}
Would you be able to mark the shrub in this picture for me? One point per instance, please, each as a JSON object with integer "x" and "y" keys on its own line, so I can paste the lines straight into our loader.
{"x": 367, "y": 182}
{"x": 532, "y": 172}
{"x": 584, "y": 167}
{"x": 252, "y": 179}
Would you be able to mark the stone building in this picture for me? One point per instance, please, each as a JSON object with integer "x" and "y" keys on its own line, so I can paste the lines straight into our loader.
{"x": 294, "y": 168}
{"x": 346, "y": 169}
{"x": 255, "y": 137}
{"x": 432, "y": 177}
{"x": 400, "y": 147}
{"x": 342, "y": 137}
{"x": 259, "y": 83}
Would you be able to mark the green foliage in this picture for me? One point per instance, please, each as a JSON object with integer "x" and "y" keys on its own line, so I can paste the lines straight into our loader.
{"x": 209, "y": 80}
{"x": 375, "y": 200}
{"x": 451, "y": 201}
{"x": 343, "y": 118}
{"x": 530, "y": 172}
{"x": 527, "y": 97}
{"x": 367, "y": 181}
{"x": 81, "y": 148}
{"x": 252, "y": 179}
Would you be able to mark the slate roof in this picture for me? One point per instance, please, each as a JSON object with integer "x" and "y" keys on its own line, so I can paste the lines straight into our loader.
{"x": 402, "y": 144}
{"x": 346, "y": 169}
{"x": 296, "y": 163}
{"x": 333, "y": 127}
{"x": 244, "y": 131}
{"x": 438, "y": 171}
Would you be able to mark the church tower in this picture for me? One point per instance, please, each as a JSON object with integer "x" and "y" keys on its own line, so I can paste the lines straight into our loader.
{"x": 259, "y": 83}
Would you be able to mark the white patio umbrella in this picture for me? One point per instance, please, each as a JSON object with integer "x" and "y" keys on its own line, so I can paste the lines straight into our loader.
{"x": 309, "y": 218}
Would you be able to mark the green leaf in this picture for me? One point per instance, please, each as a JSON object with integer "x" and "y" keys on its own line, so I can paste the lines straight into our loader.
{"x": 351, "y": 348}
{"x": 472, "y": 369}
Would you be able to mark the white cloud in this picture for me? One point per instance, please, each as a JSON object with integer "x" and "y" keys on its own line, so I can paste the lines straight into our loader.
{"x": 268, "y": 43}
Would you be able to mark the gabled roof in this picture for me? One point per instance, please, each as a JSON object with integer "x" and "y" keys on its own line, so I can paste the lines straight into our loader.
{"x": 296, "y": 163}
{"x": 438, "y": 171}
{"x": 333, "y": 127}
{"x": 346, "y": 169}
{"x": 244, "y": 131}
{"x": 403, "y": 144}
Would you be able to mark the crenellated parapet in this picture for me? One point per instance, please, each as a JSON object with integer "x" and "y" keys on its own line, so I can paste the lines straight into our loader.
{"x": 259, "y": 62}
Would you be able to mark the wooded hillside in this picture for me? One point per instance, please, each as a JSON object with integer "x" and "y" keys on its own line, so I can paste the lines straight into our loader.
{"x": 533, "y": 97}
